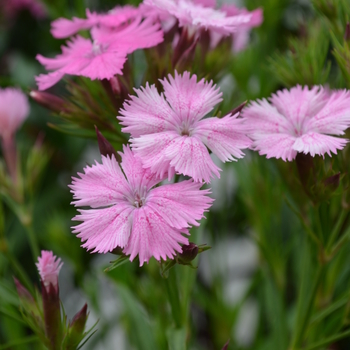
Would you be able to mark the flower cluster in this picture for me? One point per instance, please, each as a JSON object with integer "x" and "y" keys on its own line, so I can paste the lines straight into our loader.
{"x": 170, "y": 132}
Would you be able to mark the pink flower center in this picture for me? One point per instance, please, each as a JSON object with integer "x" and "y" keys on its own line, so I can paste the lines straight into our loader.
{"x": 186, "y": 129}
{"x": 138, "y": 197}
{"x": 97, "y": 49}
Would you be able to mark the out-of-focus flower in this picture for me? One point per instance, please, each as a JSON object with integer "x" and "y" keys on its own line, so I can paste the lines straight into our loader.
{"x": 195, "y": 14}
{"x": 63, "y": 27}
{"x": 49, "y": 266}
{"x": 299, "y": 120}
{"x": 12, "y": 7}
{"x": 170, "y": 135}
{"x": 104, "y": 56}
{"x": 130, "y": 213}
{"x": 14, "y": 109}
{"x": 241, "y": 36}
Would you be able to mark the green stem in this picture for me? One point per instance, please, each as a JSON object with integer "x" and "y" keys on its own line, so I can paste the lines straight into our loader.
{"x": 174, "y": 298}
{"x": 342, "y": 240}
{"x": 329, "y": 340}
{"x": 342, "y": 217}
{"x": 34, "y": 247}
{"x": 299, "y": 335}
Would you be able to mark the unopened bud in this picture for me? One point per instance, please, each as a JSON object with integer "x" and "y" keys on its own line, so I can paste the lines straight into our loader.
{"x": 238, "y": 108}
{"x": 49, "y": 101}
{"x": 23, "y": 293}
{"x": 76, "y": 328}
{"x": 347, "y": 32}
{"x": 106, "y": 149}
{"x": 115, "y": 85}
{"x": 189, "y": 252}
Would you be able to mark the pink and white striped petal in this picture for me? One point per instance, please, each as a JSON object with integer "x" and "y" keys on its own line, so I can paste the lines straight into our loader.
{"x": 315, "y": 143}
{"x": 275, "y": 145}
{"x": 152, "y": 236}
{"x": 334, "y": 117}
{"x": 147, "y": 113}
{"x": 180, "y": 204}
{"x": 225, "y": 137}
{"x": 102, "y": 230}
{"x": 190, "y": 157}
{"x": 191, "y": 100}
{"x": 100, "y": 185}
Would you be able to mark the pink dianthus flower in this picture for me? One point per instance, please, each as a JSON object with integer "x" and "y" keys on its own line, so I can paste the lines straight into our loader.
{"x": 196, "y": 15}
{"x": 104, "y": 56}
{"x": 299, "y": 120}
{"x": 63, "y": 27}
{"x": 49, "y": 267}
{"x": 170, "y": 134}
{"x": 130, "y": 213}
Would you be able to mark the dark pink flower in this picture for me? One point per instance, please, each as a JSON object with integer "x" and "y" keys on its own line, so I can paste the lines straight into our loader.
{"x": 49, "y": 267}
{"x": 130, "y": 213}
{"x": 299, "y": 120}
{"x": 63, "y": 27}
{"x": 170, "y": 134}
{"x": 101, "y": 58}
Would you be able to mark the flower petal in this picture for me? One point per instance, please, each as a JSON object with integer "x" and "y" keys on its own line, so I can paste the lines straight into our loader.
{"x": 315, "y": 143}
{"x": 189, "y": 156}
{"x": 190, "y": 100}
{"x": 225, "y": 137}
{"x": 100, "y": 185}
{"x": 147, "y": 113}
{"x": 152, "y": 236}
{"x": 275, "y": 145}
{"x": 103, "y": 230}
{"x": 180, "y": 204}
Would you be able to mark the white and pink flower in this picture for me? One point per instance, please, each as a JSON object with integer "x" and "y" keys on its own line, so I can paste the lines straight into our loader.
{"x": 129, "y": 212}
{"x": 170, "y": 135}
{"x": 299, "y": 120}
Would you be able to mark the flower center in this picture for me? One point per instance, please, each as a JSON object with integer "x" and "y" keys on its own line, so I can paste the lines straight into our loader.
{"x": 97, "y": 49}
{"x": 138, "y": 197}
{"x": 185, "y": 129}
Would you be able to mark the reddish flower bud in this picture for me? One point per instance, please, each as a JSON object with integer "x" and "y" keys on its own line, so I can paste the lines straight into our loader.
{"x": 49, "y": 101}
{"x": 106, "y": 149}
{"x": 189, "y": 252}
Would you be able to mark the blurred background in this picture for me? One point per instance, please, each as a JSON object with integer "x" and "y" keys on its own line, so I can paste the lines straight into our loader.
{"x": 246, "y": 286}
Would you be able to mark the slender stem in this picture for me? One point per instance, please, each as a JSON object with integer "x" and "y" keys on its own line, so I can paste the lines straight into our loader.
{"x": 342, "y": 217}
{"x": 311, "y": 300}
{"x": 342, "y": 240}
{"x": 329, "y": 340}
{"x": 34, "y": 247}
{"x": 10, "y": 155}
{"x": 174, "y": 298}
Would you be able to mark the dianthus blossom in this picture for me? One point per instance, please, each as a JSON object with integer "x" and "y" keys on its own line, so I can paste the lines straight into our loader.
{"x": 103, "y": 56}
{"x": 14, "y": 109}
{"x": 49, "y": 267}
{"x": 63, "y": 27}
{"x": 170, "y": 134}
{"x": 299, "y": 120}
{"x": 195, "y": 14}
{"x": 129, "y": 212}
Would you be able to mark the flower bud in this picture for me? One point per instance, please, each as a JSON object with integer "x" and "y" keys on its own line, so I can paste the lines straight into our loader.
{"x": 49, "y": 101}
{"x": 189, "y": 253}
{"x": 76, "y": 329}
{"x": 106, "y": 149}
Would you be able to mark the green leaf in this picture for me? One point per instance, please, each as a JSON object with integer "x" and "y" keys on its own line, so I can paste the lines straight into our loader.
{"x": 116, "y": 263}
{"x": 177, "y": 338}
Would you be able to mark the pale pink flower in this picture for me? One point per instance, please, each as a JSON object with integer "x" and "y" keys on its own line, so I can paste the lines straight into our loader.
{"x": 299, "y": 120}
{"x": 49, "y": 267}
{"x": 241, "y": 37}
{"x": 195, "y": 15}
{"x": 14, "y": 109}
{"x": 170, "y": 134}
{"x": 63, "y": 27}
{"x": 101, "y": 58}
{"x": 130, "y": 213}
